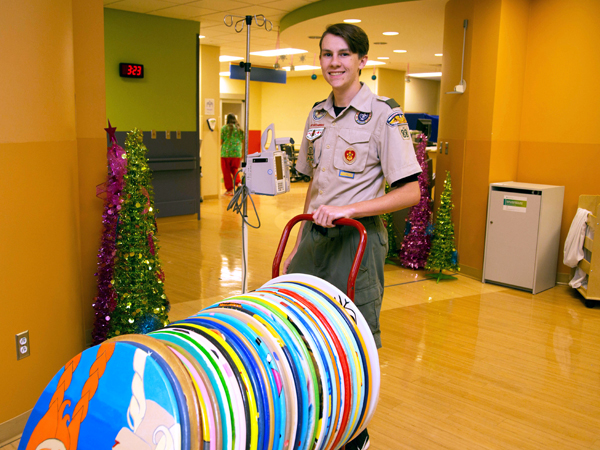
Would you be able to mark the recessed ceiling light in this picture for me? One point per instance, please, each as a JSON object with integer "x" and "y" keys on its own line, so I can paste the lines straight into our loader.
{"x": 390, "y": 33}
{"x": 279, "y": 52}
{"x": 201, "y": 37}
{"x": 224, "y": 74}
{"x": 439, "y": 54}
{"x": 352, "y": 20}
{"x": 226, "y": 58}
{"x": 374, "y": 63}
{"x": 383, "y": 57}
{"x": 399, "y": 51}
{"x": 425, "y": 74}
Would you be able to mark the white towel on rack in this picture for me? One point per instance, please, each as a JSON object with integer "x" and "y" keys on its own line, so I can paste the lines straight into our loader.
{"x": 575, "y": 238}
{"x": 574, "y": 246}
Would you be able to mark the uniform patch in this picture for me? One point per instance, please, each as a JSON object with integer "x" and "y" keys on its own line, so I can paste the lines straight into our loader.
{"x": 362, "y": 118}
{"x": 319, "y": 114}
{"x": 350, "y": 155}
{"x": 314, "y": 133}
{"x": 344, "y": 174}
{"x": 395, "y": 119}
{"x": 405, "y": 132}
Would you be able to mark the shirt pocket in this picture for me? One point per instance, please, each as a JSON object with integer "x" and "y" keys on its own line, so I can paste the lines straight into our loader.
{"x": 351, "y": 150}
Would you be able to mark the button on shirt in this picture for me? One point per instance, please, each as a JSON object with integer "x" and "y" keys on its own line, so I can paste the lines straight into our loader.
{"x": 349, "y": 156}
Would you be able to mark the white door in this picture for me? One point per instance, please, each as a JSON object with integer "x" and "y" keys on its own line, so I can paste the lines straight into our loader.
{"x": 512, "y": 235}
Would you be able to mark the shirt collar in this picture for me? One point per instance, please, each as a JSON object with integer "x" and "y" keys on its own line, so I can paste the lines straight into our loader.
{"x": 361, "y": 101}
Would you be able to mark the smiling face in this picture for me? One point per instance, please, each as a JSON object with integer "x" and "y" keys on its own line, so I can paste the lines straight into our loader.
{"x": 339, "y": 65}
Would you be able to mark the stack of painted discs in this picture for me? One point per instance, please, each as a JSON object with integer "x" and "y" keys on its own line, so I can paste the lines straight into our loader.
{"x": 292, "y": 365}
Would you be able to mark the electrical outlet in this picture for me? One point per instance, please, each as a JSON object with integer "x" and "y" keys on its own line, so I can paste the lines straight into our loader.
{"x": 23, "y": 345}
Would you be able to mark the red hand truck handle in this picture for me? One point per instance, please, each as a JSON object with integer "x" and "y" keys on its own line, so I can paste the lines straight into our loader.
{"x": 360, "y": 251}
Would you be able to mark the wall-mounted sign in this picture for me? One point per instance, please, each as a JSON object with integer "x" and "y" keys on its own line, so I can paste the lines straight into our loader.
{"x": 209, "y": 106}
{"x": 129, "y": 70}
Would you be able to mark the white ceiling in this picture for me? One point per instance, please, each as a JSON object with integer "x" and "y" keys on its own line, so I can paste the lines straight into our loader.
{"x": 420, "y": 25}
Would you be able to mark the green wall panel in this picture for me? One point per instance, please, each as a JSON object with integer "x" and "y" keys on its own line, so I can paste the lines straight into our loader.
{"x": 165, "y": 99}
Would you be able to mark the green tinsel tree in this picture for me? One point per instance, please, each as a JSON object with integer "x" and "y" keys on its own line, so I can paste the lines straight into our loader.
{"x": 443, "y": 254}
{"x": 142, "y": 305}
{"x": 389, "y": 225}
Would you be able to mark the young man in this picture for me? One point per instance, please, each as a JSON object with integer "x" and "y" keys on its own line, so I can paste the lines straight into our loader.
{"x": 352, "y": 141}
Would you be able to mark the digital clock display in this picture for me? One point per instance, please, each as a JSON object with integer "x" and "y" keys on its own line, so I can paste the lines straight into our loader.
{"x": 129, "y": 70}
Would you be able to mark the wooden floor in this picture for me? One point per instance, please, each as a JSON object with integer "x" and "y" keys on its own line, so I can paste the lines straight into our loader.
{"x": 465, "y": 365}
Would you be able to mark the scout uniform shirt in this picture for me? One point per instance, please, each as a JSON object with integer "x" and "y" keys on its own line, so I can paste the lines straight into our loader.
{"x": 349, "y": 155}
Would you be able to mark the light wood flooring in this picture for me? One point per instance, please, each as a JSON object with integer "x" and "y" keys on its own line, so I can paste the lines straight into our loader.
{"x": 465, "y": 365}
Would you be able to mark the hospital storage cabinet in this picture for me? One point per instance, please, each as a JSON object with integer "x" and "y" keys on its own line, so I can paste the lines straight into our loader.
{"x": 522, "y": 235}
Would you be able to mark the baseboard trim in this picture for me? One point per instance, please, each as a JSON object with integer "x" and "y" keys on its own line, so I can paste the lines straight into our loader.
{"x": 471, "y": 272}
{"x": 563, "y": 278}
{"x": 12, "y": 429}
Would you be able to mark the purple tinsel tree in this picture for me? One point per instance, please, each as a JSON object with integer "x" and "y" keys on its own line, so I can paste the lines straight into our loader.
{"x": 106, "y": 300}
{"x": 417, "y": 240}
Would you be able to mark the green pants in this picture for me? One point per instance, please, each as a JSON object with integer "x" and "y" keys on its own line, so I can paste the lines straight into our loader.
{"x": 328, "y": 253}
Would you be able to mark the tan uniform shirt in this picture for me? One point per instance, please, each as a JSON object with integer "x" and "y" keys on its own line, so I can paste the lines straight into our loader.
{"x": 348, "y": 156}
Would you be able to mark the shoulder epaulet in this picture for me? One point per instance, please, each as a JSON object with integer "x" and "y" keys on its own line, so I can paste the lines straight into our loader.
{"x": 392, "y": 103}
{"x": 321, "y": 101}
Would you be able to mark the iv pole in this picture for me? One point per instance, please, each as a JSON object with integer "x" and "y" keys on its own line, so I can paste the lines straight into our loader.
{"x": 239, "y": 27}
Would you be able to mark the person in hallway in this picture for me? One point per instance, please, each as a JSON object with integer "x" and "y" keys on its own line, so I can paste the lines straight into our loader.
{"x": 352, "y": 141}
{"x": 232, "y": 143}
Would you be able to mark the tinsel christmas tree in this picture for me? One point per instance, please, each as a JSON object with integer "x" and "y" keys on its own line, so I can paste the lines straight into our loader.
{"x": 131, "y": 296}
{"x": 417, "y": 239}
{"x": 443, "y": 254}
{"x": 110, "y": 191}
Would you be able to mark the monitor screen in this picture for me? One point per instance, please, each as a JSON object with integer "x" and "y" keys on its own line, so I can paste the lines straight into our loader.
{"x": 278, "y": 167}
{"x": 424, "y": 126}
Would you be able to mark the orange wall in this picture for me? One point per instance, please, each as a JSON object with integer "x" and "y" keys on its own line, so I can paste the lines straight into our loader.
{"x": 520, "y": 115}
{"x": 559, "y": 141}
{"x": 40, "y": 226}
{"x": 90, "y": 101}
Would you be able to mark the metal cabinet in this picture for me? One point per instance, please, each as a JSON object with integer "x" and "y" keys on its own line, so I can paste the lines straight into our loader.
{"x": 522, "y": 235}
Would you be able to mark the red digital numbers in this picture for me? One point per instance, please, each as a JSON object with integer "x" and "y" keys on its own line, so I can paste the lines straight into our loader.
{"x": 131, "y": 70}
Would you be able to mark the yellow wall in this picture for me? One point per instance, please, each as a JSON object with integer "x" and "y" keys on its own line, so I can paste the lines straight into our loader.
{"x": 390, "y": 83}
{"x": 422, "y": 96}
{"x": 210, "y": 151}
{"x": 42, "y": 241}
{"x": 287, "y": 105}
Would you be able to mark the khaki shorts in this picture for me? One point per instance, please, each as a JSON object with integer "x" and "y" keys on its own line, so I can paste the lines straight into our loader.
{"x": 328, "y": 253}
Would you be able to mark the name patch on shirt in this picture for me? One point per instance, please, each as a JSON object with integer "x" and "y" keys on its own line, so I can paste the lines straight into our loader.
{"x": 396, "y": 119}
{"x": 319, "y": 114}
{"x": 314, "y": 133}
{"x": 362, "y": 118}
{"x": 345, "y": 174}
